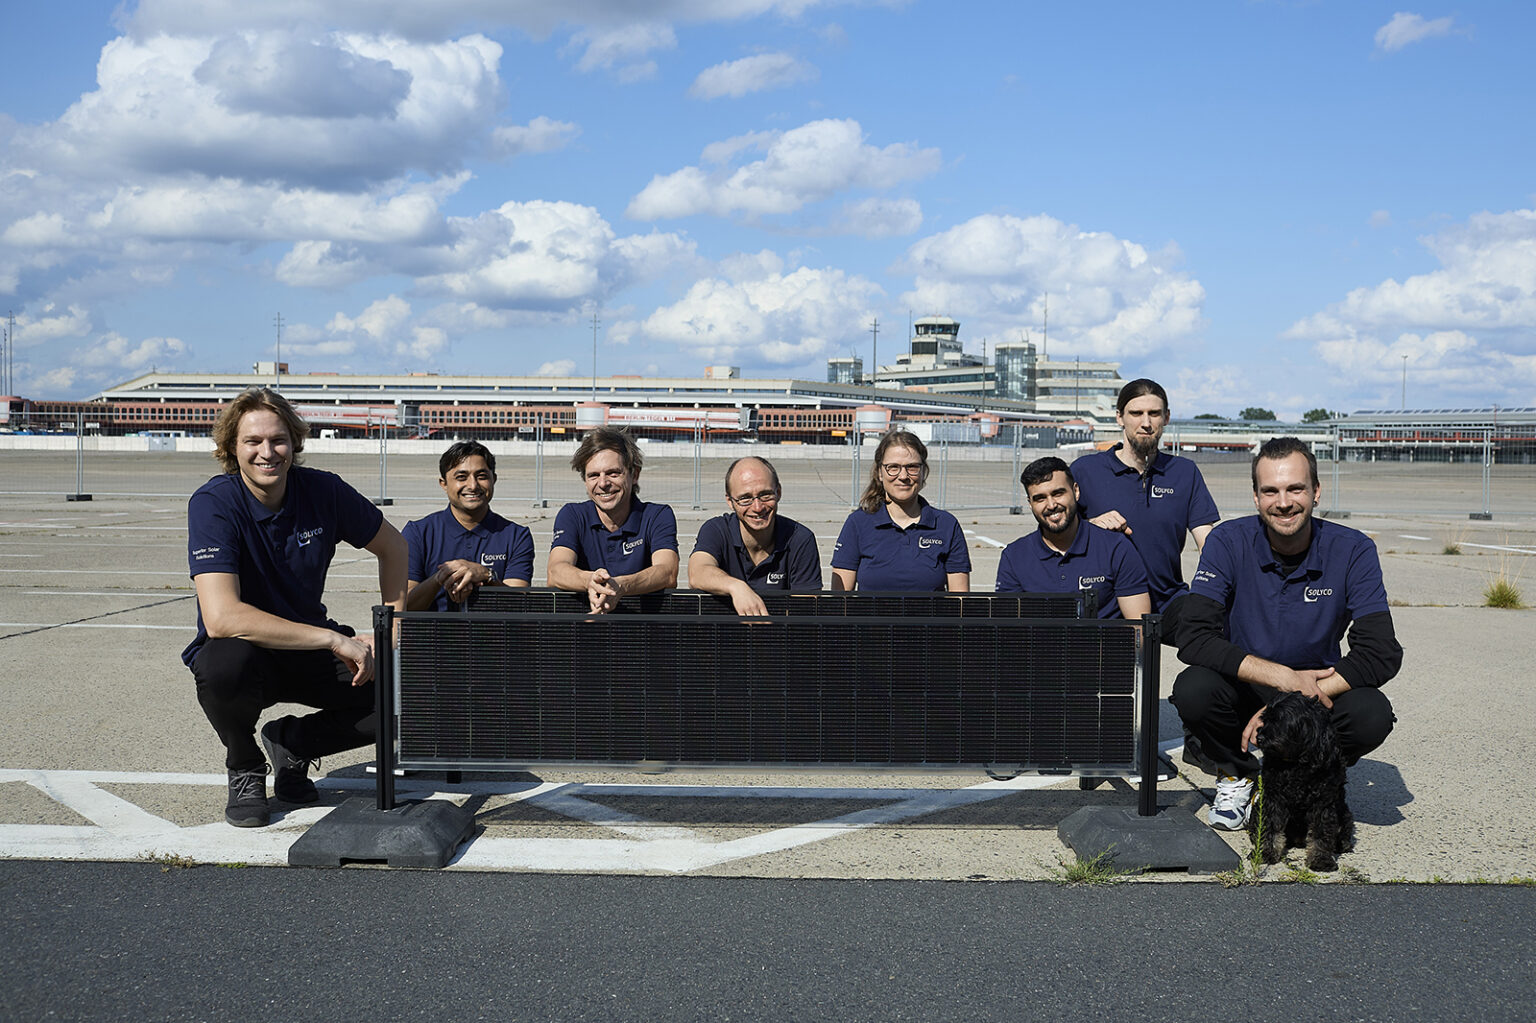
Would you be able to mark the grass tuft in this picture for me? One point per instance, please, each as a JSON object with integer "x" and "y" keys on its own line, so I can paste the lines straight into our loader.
{"x": 1501, "y": 592}
{"x": 1099, "y": 870}
{"x": 1297, "y": 874}
{"x": 1503, "y": 589}
{"x": 168, "y": 861}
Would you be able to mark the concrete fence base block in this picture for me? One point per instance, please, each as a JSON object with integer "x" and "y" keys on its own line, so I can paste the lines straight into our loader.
{"x": 413, "y": 834}
{"x": 1175, "y": 839}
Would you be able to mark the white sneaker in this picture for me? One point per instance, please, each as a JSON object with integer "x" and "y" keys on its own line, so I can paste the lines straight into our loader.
{"x": 1234, "y": 801}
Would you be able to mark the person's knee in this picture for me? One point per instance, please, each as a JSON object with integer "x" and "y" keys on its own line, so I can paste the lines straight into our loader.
{"x": 224, "y": 668}
{"x": 1197, "y": 691}
{"x": 1363, "y": 719}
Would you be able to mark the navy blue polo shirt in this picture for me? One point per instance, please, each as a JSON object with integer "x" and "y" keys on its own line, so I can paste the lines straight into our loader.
{"x": 794, "y": 565}
{"x": 280, "y": 557}
{"x": 1103, "y": 559}
{"x": 499, "y": 544}
{"x": 1161, "y": 508}
{"x": 626, "y": 550}
{"x": 887, "y": 557}
{"x": 1296, "y": 621}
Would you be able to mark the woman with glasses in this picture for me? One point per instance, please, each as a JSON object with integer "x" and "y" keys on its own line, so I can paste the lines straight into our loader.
{"x": 895, "y": 540}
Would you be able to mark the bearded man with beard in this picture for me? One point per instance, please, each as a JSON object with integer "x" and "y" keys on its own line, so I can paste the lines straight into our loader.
{"x": 1153, "y": 497}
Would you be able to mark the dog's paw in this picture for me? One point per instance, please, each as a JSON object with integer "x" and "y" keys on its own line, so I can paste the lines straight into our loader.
{"x": 1325, "y": 862}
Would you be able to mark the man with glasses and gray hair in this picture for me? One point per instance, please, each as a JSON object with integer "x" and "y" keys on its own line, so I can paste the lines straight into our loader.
{"x": 752, "y": 549}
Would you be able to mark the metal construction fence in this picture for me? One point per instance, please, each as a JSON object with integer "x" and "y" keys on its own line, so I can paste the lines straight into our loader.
{"x": 1485, "y": 477}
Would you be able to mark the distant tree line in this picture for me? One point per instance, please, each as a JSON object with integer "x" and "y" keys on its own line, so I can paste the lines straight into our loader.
{"x": 1254, "y": 414}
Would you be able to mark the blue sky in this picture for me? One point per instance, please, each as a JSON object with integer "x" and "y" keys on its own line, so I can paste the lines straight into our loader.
{"x": 1256, "y": 203}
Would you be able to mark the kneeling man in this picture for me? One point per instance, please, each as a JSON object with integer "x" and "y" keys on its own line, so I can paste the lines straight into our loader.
{"x": 1068, "y": 553}
{"x": 260, "y": 539}
{"x": 1273, "y": 596}
{"x": 464, "y": 546}
{"x": 752, "y": 549}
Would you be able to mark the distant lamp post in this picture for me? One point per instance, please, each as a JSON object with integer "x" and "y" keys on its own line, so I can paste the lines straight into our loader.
{"x": 1404, "y": 406}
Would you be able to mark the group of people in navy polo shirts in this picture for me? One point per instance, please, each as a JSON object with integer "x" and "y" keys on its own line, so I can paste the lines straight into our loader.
{"x": 1272, "y": 599}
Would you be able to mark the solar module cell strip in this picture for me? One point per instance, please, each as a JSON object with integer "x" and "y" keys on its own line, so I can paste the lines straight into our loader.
{"x": 682, "y": 690}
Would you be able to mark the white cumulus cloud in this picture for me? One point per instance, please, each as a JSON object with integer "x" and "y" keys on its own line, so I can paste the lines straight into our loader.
{"x": 772, "y": 320}
{"x": 1468, "y": 329}
{"x": 1405, "y": 29}
{"x": 540, "y": 135}
{"x": 1109, "y": 298}
{"x": 737, "y": 78}
{"x": 800, "y": 166}
{"x": 545, "y": 255}
{"x": 557, "y": 368}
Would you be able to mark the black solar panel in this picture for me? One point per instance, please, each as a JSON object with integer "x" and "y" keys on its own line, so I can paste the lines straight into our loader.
{"x": 505, "y": 690}
{"x": 507, "y": 600}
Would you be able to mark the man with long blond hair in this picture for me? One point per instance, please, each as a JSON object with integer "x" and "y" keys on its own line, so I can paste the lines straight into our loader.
{"x": 260, "y": 538}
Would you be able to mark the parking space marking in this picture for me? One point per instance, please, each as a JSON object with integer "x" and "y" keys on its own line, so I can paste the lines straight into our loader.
{"x": 122, "y": 830}
{"x": 92, "y": 593}
{"x": 97, "y": 572}
{"x": 40, "y": 626}
{"x": 984, "y": 539}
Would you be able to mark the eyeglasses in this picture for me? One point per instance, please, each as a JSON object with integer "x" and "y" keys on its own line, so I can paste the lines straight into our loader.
{"x": 893, "y": 470}
{"x": 767, "y": 497}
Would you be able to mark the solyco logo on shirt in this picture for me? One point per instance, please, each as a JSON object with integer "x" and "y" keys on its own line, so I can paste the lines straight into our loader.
{"x": 925, "y": 542}
{"x": 775, "y": 578}
{"x": 304, "y": 536}
{"x": 1310, "y": 594}
{"x": 1158, "y": 491}
{"x": 630, "y": 546}
{"x": 487, "y": 559}
{"x": 1091, "y": 580}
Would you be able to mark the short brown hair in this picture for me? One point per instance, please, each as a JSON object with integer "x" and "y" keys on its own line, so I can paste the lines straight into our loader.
{"x": 226, "y": 429}
{"x": 1277, "y": 448}
{"x": 610, "y": 438}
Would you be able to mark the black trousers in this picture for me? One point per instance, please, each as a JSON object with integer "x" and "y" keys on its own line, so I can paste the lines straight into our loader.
{"x": 1215, "y": 709}
{"x": 237, "y": 680}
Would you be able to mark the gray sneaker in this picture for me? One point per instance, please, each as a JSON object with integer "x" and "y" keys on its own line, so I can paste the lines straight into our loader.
{"x": 290, "y": 781}
{"x": 248, "y": 799}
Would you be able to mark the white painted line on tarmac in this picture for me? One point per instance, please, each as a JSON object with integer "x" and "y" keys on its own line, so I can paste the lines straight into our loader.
{"x": 101, "y": 593}
{"x": 1524, "y": 549}
{"x": 1409, "y": 536}
{"x": 73, "y": 544}
{"x": 95, "y": 625}
{"x": 4, "y": 555}
{"x": 984, "y": 539}
{"x": 93, "y": 571}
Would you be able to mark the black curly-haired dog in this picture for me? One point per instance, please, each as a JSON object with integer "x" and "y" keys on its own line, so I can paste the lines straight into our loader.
{"x": 1303, "y": 779}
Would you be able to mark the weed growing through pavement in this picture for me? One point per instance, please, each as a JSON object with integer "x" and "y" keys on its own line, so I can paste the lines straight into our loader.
{"x": 1503, "y": 589}
{"x": 170, "y": 860}
{"x": 1453, "y": 538}
{"x": 1099, "y": 870}
{"x": 1296, "y": 874}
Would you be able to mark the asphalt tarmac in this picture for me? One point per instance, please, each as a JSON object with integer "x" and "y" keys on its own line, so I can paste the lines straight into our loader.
{"x": 100, "y": 941}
